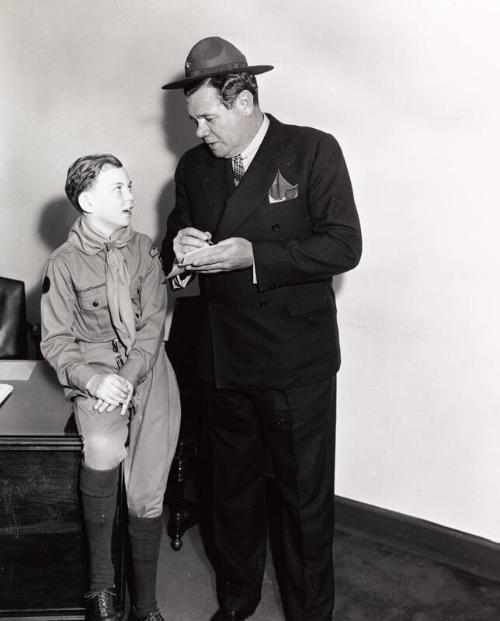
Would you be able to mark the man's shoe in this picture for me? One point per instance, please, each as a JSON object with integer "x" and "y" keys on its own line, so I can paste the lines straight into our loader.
{"x": 151, "y": 616}
{"x": 101, "y": 606}
{"x": 230, "y": 615}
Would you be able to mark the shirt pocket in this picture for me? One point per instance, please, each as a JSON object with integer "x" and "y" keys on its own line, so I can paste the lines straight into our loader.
{"x": 93, "y": 310}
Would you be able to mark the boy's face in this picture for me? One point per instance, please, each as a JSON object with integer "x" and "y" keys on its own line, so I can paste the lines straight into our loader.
{"x": 109, "y": 203}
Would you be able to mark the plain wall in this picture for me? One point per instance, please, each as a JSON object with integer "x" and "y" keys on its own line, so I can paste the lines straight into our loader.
{"x": 411, "y": 91}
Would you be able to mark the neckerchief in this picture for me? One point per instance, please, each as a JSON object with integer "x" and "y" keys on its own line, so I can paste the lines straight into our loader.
{"x": 90, "y": 241}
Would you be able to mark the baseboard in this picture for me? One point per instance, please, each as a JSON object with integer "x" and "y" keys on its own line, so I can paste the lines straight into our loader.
{"x": 469, "y": 553}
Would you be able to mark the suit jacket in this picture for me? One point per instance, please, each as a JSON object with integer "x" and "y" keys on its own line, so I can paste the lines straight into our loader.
{"x": 282, "y": 331}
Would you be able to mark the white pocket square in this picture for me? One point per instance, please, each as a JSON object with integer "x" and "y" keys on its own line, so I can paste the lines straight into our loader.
{"x": 281, "y": 190}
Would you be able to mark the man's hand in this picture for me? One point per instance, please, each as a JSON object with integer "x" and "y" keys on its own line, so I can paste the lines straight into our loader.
{"x": 234, "y": 253}
{"x": 189, "y": 239}
{"x": 110, "y": 390}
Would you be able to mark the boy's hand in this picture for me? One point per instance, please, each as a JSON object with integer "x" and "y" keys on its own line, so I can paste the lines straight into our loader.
{"x": 104, "y": 406}
{"x": 110, "y": 390}
{"x": 127, "y": 401}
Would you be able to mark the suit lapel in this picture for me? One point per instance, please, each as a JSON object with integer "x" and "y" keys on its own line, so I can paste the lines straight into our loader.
{"x": 214, "y": 181}
{"x": 254, "y": 185}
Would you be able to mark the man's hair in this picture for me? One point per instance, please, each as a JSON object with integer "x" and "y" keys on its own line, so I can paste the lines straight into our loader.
{"x": 83, "y": 173}
{"x": 229, "y": 85}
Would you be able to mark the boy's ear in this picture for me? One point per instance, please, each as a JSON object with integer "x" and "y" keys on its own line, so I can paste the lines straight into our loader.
{"x": 85, "y": 202}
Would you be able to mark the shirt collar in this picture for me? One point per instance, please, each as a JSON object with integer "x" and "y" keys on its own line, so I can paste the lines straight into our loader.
{"x": 249, "y": 152}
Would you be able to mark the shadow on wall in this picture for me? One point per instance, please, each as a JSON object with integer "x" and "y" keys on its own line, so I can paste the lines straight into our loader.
{"x": 338, "y": 283}
{"x": 179, "y": 136}
{"x": 56, "y": 218}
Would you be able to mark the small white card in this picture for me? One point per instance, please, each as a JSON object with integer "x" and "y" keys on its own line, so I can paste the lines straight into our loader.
{"x": 188, "y": 257}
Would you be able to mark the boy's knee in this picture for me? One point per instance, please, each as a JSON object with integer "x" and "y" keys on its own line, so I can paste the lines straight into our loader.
{"x": 103, "y": 452}
{"x": 145, "y": 501}
{"x": 144, "y": 510}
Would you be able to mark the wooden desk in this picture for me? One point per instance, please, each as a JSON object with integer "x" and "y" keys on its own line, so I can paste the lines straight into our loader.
{"x": 43, "y": 565}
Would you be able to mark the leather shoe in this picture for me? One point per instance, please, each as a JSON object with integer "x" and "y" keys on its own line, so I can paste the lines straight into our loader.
{"x": 151, "y": 616}
{"x": 101, "y": 606}
{"x": 230, "y": 615}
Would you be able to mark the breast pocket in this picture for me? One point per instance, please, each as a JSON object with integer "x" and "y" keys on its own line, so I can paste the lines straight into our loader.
{"x": 289, "y": 203}
{"x": 93, "y": 310}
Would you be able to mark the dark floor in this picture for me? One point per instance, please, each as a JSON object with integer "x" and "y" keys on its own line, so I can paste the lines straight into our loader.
{"x": 375, "y": 582}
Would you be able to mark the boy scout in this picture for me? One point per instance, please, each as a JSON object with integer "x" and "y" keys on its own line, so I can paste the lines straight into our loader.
{"x": 103, "y": 311}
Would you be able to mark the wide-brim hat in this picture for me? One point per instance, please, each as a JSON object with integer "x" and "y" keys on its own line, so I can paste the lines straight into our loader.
{"x": 214, "y": 56}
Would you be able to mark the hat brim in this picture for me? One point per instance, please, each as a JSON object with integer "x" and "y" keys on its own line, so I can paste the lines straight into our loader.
{"x": 255, "y": 69}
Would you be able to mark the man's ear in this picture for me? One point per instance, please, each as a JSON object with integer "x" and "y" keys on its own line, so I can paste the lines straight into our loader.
{"x": 245, "y": 102}
{"x": 85, "y": 202}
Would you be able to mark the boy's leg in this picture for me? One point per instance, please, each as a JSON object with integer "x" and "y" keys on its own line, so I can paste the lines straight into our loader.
{"x": 153, "y": 438}
{"x": 104, "y": 436}
{"x": 98, "y": 496}
{"x": 145, "y": 537}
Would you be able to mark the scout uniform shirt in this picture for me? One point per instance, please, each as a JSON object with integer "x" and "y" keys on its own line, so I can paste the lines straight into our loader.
{"x": 84, "y": 333}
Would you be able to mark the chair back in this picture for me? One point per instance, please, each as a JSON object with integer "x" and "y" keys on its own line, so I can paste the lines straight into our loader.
{"x": 13, "y": 325}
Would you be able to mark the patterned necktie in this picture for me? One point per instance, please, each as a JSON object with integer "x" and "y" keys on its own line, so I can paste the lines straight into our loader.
{"x": 238, "y": 170}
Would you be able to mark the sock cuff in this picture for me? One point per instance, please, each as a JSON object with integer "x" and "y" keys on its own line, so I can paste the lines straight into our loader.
{"x": 100, "y": 483}
{"x": 145, "y": 528}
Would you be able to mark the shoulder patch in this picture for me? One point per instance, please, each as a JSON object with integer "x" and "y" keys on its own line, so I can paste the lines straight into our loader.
{"x": 46, "y": 284}
{"x": 153, "y": 251}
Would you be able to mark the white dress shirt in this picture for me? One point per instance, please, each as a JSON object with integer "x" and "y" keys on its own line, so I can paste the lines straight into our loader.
{"x": 249, "y": 152}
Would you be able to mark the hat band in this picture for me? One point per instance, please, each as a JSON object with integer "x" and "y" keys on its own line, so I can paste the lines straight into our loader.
{"x": 227, "y": 68}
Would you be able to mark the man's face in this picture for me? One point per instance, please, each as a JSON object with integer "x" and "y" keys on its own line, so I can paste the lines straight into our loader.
{"x": 110, "y": 200}
{"x": 222, "y": 129}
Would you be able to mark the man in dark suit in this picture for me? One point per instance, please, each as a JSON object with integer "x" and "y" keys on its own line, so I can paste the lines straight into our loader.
{"x": 265, "y": 216}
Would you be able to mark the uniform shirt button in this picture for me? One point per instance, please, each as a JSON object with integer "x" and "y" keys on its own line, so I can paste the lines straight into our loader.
{"x": 95, "y": 303}
{"x": 275, "y": 227}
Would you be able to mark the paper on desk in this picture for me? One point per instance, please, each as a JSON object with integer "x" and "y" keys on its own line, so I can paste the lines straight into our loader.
{"x": 5, "y": 390}
{"x": 16, "y": 369}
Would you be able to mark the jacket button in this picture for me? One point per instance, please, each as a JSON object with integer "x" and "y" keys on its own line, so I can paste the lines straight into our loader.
{"x": 275, "y": 227}
{"x": 263, "y": 303}
{"x": 211, "y": 303}
{"x": 95, "y": 303}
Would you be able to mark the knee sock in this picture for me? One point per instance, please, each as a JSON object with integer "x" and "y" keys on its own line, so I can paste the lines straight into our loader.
{"x": 99, "y": 490}
{"x": 145, "y": 537}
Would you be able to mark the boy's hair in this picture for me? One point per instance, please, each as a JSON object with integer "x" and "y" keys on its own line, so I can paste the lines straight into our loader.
{"x": 229, "y": 85}
{"x": 83, "y": 173}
